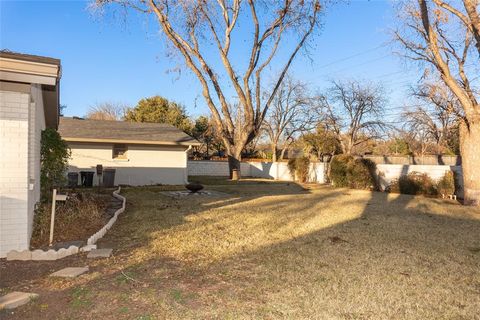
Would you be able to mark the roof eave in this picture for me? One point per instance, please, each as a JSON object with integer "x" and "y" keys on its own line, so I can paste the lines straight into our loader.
{"x": 164, "y": 143}
{"x": 35, "y": 70}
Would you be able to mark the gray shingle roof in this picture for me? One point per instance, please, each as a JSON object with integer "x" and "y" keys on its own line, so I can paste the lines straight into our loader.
{"x": 75, "y": 129}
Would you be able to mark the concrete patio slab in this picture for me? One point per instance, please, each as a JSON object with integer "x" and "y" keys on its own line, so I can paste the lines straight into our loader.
{"x": 100, "y": 253}
{"x": 186, "y": 193}
{"x": 16, "y": 299}
{"x": 70, "y": 272}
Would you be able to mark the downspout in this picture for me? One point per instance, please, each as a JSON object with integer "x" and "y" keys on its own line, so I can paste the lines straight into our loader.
{"x": 185, "y": 177}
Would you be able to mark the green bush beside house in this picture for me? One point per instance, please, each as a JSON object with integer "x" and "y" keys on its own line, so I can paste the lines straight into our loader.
{"x": 54, "y": 155}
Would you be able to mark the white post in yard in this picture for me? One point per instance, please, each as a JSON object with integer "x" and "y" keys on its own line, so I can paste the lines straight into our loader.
{"x": 56, "y": 197}
{"x": 52, "y": 218}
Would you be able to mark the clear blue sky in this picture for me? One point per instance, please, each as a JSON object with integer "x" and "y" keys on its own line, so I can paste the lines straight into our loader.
{"x": 122, "y": 61}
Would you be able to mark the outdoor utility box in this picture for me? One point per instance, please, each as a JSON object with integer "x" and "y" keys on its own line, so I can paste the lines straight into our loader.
{"x": 108, "y": 178}
{"x": 72, "y": 179}
{"x": 87, "y": 178}
{"x": 99, "y": 174}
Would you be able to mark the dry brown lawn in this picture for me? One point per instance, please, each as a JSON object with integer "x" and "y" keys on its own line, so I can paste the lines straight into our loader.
{"x": 276, "y": 251}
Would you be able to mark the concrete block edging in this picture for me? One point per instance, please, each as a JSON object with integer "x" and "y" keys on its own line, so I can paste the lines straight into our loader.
{"x": 51, "y": 254}
{"x": 100, "y": 233}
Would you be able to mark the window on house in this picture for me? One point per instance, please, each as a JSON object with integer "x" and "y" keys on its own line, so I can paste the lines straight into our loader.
{"x": 119, "y": 151}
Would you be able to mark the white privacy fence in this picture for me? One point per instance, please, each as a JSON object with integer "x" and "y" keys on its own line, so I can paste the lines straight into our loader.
{"x": 267, "y": 170}
{"x": 388, "y": 172}
{"x": 279, "y": 170}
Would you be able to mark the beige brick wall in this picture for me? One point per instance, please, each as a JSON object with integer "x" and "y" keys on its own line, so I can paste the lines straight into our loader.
{"x": 146, "y": 165}
{"x": 14, "y": 147}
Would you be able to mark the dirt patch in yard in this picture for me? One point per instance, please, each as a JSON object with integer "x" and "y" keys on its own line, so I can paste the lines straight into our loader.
{"x": 80, "y": 216}
{"x": 19, "y": 275}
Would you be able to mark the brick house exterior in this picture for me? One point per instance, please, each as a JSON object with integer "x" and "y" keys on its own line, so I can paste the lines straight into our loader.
{"x": 28, "y": 104}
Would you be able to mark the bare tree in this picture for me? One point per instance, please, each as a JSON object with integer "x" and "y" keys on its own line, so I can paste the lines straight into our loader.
{"x": 107, "y": 111}
{"x": 353, "y": 111}
{"x": 440, "y": 35}
{"x": 435, "y": 118}
{"x": 193, "y": 28}
{"x": 291, "y": 113}
{"x": 423, "y": 126}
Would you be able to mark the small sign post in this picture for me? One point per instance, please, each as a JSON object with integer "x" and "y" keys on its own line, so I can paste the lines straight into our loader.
{"x": 56, "y": 197}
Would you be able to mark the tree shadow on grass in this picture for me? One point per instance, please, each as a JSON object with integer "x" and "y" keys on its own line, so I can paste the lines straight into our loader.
{"x": 333, "y": 254}
{"x": 403, "y": 257}
{"x": 396, "y": 256}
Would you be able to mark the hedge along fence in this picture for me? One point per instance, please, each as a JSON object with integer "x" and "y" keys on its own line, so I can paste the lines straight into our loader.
{"x": 421, "y": 183}
{"x": 299, "y": 168}
{"x": 357, "y": 173}
{"x": 385, "y": 173}
{"x": 360, "y": 173}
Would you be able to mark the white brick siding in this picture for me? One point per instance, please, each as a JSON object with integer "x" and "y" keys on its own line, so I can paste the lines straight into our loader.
{"x": 21, "y": 122}
{"x": 14, "y": 115}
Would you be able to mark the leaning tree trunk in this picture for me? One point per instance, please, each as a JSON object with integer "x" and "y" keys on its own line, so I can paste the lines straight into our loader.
{"x": 470, "y": 152}
{"x": 234, "y": 161}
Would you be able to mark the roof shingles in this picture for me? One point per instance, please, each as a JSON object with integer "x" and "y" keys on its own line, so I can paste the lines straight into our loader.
{"x": 86, "y": 130}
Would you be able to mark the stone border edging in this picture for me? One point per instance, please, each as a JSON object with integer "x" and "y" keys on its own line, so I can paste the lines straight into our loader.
{"x": 64, "y": 252}
{"x": 100, "y": 233}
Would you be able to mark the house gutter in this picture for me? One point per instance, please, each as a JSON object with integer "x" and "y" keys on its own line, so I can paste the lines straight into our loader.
{"x": 185, "y": 179}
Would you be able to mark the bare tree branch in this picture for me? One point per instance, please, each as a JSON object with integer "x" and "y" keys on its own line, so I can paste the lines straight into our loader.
{"x": 292, "y": 112}
{"x": 354, "y": 112}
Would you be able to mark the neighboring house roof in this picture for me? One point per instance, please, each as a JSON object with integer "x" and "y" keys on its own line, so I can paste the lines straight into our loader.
{"x": 86, "y": 130}
{"x": 18, "y": 68}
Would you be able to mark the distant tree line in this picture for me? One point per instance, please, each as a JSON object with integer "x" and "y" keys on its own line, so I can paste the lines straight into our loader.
{"x": 348, "y": 118}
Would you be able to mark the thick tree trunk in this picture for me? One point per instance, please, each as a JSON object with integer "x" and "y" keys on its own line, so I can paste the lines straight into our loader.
{"x": 234, "y": 166}
{"x": 282, "y": 154}
{"x": 470, "y": 152}
{"x": 274, "y": 153}
{"x": 471, "y": 8}
{"x": 328, "y": 168}
{"x": 347, "y": 146}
